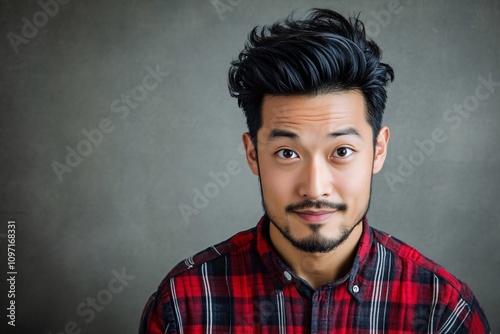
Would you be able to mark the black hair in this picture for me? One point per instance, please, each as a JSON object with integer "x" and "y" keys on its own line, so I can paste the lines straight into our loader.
{"x": 325, "y": 52}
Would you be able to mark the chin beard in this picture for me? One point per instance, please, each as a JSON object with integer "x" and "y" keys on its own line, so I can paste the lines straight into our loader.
{"x": 316, "y": 243}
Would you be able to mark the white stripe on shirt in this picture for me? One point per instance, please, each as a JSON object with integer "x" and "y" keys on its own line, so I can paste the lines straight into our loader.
{"x": 435, "y": 299}
{"x": 208, "y": 298}
{"x": 176, "y": 306}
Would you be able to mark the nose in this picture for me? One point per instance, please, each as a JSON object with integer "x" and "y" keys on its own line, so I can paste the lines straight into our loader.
{"x": 316, "y": 179}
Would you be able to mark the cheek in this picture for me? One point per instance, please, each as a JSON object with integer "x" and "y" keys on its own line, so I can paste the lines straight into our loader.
{"x": 273, "y": 181}
{"x": 354, "y": 183}
{"x": 276, "y": 184}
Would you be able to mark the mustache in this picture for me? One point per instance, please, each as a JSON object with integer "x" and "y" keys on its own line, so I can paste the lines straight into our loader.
{"x": 320, "y": 204}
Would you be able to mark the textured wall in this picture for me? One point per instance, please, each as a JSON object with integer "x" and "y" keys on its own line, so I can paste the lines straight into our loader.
{"x": 84, "y": 70}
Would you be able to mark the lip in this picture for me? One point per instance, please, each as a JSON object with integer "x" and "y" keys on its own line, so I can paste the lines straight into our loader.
{"x": 315, "y": 216}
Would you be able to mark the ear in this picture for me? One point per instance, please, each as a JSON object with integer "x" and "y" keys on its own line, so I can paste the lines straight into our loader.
{"x": 251, "y": 153}
{"x": 381, "y": 149}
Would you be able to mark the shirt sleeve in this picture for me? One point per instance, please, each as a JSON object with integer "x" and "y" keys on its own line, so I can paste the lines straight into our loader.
{"x": 154, "y": 318}
{"x": 479, "y": 323}
{"x": 464, "y": 317}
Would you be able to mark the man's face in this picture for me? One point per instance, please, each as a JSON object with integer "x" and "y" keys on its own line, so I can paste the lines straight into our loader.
{"x": 315, "y": 159}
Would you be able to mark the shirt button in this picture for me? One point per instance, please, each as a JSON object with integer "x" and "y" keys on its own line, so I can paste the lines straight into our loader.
{"x": 355, "y": 289}
{"x": 288, "y": 276}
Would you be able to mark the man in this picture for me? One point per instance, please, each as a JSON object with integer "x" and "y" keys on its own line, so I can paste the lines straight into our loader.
{"x": 313, "y": 93}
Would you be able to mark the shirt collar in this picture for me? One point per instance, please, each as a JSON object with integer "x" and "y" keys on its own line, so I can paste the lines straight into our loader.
{"x": 283, "y": 275}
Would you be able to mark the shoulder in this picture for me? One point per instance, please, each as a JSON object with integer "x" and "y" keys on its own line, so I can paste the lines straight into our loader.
{"x": 423, "y": 289}
{"x": 241, "y": 242}
{"x": 427, "y": 285}
{"x": 164, "y": 307}
{"x": 421, "y": 269}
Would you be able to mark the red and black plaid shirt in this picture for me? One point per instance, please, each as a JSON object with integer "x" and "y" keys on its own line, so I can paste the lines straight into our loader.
{"x": 242, "y": 286}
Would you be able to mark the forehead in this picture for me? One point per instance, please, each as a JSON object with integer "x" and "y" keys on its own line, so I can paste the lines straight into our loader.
{"x": 330, "y": 110}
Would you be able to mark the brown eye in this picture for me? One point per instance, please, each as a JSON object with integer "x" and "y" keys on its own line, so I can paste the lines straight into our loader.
{"x": 343, "y": 152}
{"x": 286, "y": 154}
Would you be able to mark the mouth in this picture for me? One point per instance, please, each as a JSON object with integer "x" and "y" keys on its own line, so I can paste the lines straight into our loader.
{"x": 315, "y": 216}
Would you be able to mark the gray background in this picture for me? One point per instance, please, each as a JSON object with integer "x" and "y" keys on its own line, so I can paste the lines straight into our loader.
{"x": 119, "y": 208}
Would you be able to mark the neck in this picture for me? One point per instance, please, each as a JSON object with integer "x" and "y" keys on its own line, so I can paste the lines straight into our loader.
{"x": 318, "y": 269}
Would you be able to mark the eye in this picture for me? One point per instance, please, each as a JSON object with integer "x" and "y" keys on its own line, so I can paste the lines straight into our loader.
{"x": 287, "y": 154}
{"x": 343, "y": 152}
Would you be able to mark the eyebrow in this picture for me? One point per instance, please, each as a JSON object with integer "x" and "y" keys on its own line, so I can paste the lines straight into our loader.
{"x": 345, "y": 132}
{"x": 277, "y": 133}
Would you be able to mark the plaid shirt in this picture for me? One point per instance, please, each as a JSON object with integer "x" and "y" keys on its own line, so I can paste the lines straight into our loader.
{"x": 242, "y": 286}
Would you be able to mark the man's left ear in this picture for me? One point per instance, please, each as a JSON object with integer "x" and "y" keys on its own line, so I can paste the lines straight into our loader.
{"x": 381, "y": 149}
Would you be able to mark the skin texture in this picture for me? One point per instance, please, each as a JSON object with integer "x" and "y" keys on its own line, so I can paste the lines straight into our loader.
{"x": 315, "y": 174}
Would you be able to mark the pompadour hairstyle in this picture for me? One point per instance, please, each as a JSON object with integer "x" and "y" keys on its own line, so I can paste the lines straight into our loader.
{"x": 325, "y": 52}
